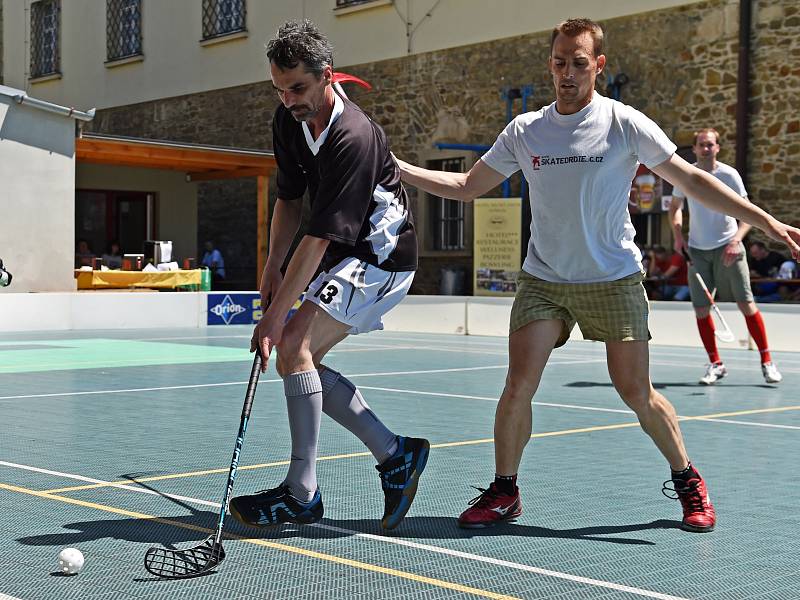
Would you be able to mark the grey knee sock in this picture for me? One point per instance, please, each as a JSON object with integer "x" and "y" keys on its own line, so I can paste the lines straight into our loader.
{"x": 344, "y": 403}
{"x": 304, "y": 404}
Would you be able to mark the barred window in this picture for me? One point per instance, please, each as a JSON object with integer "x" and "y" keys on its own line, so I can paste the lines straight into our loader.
{"x": 221, "y": 17}
{"x": 447, "y": 216}
{"x": 123, "y": 28}
{"x": 45, "y": 19}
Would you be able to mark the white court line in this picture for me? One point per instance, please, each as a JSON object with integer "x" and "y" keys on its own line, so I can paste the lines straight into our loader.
{"x": 390, "y": 540}
{"x": 205, "y": 385}
{"x": 473, "y": 341}
{"x": 121, "y": 486}
{"x": 225, "y": 383}
{"x": 495, "y": 400}
{"x": 189, "y": 337}
{"x": 575, "y": 406}
{"x": 662, "y": 350}
{"x": 7, "y": 597}
{"x": 753, "y": 423}
{"x": 440, "y": 394}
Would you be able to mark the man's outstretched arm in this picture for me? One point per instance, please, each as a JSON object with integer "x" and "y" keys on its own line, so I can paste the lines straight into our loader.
{"x": 457, "y": 186}
{"x": 717, "y": 196}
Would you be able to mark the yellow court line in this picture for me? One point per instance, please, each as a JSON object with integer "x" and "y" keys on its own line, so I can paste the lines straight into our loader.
{"x": 91, "y": 486}
{"x": 268, "y": 544}
{"x": 278, "y": 463}
{"x": 741, "y": 413}
{"x": 442, "y": 445}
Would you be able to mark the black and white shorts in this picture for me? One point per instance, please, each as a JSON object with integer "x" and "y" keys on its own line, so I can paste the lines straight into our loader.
{"x": 358, "y": 294}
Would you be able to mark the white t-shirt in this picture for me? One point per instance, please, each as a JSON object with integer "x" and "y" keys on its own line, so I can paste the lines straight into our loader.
{"x": 709, "y": 229}
{"x": 579, "y": 169}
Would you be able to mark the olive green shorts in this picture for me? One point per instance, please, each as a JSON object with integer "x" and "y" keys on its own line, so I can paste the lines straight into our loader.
{"x": 609, "y": 311}
{"x": 732, "y": 283}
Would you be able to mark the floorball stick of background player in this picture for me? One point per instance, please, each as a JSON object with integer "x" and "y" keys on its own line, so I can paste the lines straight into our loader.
{"x": 725, "y": 334}
{"x": 179, "y": 564}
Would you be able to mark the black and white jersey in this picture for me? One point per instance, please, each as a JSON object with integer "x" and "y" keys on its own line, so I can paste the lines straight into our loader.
{"x": 357, "y": 200}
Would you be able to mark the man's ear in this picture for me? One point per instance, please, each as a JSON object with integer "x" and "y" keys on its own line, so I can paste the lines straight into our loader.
{"x": 601, "y": 63}
{"x": 327, "y": 74}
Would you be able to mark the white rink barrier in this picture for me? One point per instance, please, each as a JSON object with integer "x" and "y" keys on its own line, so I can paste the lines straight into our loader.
{"x": 671, "y": 323}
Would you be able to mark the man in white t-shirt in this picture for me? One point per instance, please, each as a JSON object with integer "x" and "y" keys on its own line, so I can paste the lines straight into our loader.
{"x": 718, "y": 256}
{"x": 579, "y": 156}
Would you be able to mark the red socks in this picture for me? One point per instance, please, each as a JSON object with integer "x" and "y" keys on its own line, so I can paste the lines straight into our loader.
{"x": 755, "y": 325}
{"x": 706, "y": 328}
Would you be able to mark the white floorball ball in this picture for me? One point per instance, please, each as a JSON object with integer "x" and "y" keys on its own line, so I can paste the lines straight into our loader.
{"x": 70, "y": 561}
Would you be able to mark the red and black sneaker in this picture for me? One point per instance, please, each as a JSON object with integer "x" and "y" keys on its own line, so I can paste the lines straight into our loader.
{"x": 698, "y": 512}
{"x": 490, "y": 508}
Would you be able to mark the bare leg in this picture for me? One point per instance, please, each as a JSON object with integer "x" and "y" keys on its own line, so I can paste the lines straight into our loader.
{"x": 529, "y": 348}
{"x": 629, "y": 368}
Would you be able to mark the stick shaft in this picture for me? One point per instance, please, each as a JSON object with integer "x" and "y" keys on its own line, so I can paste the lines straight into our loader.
{"x": 237, "y": 450}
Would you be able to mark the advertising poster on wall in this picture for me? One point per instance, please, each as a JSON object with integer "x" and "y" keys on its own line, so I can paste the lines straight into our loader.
{"x": 241, "y": 308}
{"x": 498, "y": 239}
{"x": 646, "y": 193}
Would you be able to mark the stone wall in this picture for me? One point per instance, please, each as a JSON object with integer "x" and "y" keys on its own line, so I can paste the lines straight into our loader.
{"x": 682, "y": 65}
{"x": 774, "y": 158}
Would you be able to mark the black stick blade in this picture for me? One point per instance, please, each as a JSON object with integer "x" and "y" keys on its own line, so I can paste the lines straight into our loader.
{"x": 179, "y": 564}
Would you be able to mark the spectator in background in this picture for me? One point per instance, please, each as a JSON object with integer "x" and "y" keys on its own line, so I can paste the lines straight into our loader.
{"x": 215, "y": 263}
{"x": 647, "y": 257}
{"x": 672, "y": 269}
{"x": 83, "y": 254}
{"x": 767, "y": 263}
{"x": 113, "y": 256}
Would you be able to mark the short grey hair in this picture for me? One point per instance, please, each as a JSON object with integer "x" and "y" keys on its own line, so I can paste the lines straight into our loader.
{"x": 300, "y": 42}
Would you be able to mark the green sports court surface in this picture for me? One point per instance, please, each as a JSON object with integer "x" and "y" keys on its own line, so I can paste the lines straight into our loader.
{"x": 115, "y": 441}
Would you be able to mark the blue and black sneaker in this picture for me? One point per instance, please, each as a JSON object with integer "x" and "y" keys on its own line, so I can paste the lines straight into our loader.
{"x": 276, "y": 506}
{"x": 400, "y": 476}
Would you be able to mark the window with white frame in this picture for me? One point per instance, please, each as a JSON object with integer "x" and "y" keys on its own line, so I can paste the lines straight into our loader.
{"x": 221, "y": 17}
{"x": 45, "y": 24}
{"x": 123, "y": 29}
{"x": 447, "y": 216}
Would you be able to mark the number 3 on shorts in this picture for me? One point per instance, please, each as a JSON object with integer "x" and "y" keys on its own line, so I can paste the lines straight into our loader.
{"x": 326, "y": 292}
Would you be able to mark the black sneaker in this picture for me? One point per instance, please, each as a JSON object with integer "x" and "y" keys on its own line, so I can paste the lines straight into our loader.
{"x": 400, "y": 476}
{"x": 276, "y": 506}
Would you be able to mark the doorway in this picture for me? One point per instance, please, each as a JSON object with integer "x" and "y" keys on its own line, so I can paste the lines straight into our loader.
{"x": 105, "y": 216}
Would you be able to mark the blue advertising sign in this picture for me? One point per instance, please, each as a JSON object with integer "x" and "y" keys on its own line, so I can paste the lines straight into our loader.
{"x": 234, "y": 309}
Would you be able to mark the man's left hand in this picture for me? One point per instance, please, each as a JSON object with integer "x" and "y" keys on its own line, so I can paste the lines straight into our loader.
{"x": 787, "y": 234}
{"x": 732, "y": 252}
{"x": 267, "y": 334}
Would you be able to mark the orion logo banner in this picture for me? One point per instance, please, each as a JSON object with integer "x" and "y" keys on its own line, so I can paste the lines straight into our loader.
{"x": 239, "y": 309}
{"x": 234, "y": 309}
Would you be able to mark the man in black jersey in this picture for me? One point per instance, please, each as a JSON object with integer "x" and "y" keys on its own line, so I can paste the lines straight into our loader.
{"x": 361, "y": 241}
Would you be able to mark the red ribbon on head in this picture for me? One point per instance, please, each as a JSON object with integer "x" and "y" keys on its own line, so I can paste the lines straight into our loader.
{"x": 345, "y": 78}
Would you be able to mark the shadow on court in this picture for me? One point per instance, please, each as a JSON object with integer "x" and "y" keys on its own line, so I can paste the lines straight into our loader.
{"x": 148, "y": 531}
{"x": 678, "y": 384}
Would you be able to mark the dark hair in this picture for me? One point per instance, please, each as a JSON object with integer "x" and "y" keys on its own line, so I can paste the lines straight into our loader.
{"x": 575, "y": 27}
{"x": 761, "y": 245}
{"x": 705, "y": 130}
{"x": 300, "y": 42}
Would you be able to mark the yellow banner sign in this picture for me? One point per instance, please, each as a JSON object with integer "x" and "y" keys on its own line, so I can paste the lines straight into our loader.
{"x": 498, "y": 239}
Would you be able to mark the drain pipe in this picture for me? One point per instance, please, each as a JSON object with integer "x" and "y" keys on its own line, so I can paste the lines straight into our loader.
{"x": 64, "y": 111}
{"x": 743, "y": 89}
